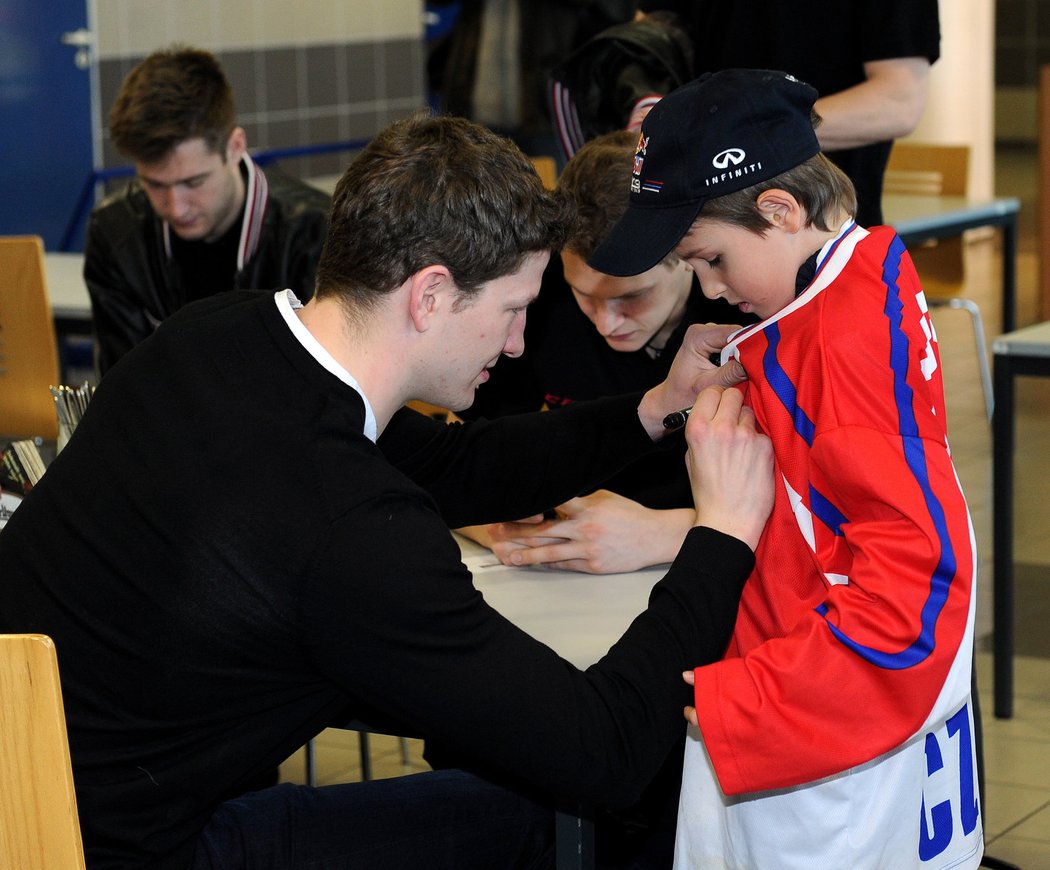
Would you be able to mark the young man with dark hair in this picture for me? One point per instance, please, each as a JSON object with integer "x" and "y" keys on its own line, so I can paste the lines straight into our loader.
{"x": 201, "y": 218}
{"x": 591, "y": 335}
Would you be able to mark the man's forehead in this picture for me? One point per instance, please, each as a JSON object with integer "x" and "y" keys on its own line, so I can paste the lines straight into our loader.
{"x": 188, "y": 159}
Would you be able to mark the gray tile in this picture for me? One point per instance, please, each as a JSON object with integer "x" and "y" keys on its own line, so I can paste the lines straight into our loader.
{"x": 324, "y": 131}
{"x": 285, "y": 134}
{"x": 362, "y": 125}
{"x": 322, "y": 87}
{"x": 240, "y": 70}
{"x": 282, "y": 79}
{"x": 403, "y": 70}
{"x": 256, "y": 134}
{"x": 110, "y": 77}
{"x": 360, "y": 65}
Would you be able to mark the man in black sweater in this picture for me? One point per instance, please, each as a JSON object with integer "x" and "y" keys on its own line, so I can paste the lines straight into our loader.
{"x": 246, "y": 540}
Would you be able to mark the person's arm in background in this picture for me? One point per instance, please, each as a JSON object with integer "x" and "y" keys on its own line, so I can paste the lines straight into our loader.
{"x": 886, "y": 105}
{"x": 118, "y": 315}
{"x": 600, "y": 533}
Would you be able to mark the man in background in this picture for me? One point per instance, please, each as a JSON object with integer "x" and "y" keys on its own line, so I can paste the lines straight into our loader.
{"x": 200, "y": 218}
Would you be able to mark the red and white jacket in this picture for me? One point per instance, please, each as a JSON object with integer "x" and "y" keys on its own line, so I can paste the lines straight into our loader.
{"x": 838, "y": 730}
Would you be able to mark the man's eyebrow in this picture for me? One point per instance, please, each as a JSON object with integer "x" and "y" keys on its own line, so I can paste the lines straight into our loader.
{"x": 153, "y": 182}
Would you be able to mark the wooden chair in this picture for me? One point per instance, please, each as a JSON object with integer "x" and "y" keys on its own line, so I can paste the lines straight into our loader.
{"x": 39, "y": 827}
{"x": 547, "y": 169}
{"x": 28, "y": 350}
{"x": 940, "y": 170}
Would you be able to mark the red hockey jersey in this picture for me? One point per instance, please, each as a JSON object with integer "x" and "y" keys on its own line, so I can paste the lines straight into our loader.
{"x": 840, "y": 714}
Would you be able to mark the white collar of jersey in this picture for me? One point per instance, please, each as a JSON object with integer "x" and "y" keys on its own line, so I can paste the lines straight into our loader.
{"x": 287, "y": 302}
{"x": 256, "y": 196}
{"x": 830, "y": 261}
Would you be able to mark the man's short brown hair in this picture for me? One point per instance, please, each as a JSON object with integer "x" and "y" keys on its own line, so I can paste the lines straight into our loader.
{"x": 435, "y": 190}
{"x": 173, "y": 95}
{"x": 596, "y": 183}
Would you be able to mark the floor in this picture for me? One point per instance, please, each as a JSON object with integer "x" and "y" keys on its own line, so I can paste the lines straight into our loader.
{"x": 1017, "y": 751}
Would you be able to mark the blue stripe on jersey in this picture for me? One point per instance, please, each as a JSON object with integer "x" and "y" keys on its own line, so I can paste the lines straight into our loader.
{"x": 915, "y": 458}
{"x": 780, "y": 382}
{"x": 785, "y": 390}
{"x": 828, "y": 514}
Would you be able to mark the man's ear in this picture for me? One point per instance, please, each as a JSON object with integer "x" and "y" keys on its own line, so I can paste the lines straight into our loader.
{"x": 236, "y": 145}
{"x": 431, "y": 292}
{"x": 780, "y": 209}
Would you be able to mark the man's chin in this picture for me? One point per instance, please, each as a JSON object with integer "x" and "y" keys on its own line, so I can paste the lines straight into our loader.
{"x": 192, "y": 233}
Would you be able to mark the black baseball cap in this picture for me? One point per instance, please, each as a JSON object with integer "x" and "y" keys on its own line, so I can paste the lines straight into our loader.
{"x": 714, "y": 135}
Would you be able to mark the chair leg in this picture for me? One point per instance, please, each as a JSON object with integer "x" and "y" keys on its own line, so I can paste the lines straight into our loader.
{"x": 985, "y": 368}
{"x": 311, "y": 763}
{"x": 366, "y": 756}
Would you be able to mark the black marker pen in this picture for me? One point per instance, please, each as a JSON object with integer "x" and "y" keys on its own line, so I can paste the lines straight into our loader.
{"x": 676, "y": 419}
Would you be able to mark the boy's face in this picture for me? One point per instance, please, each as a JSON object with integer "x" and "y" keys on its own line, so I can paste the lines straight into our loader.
{"x": 630, "y": 312}
{"x": 754, "y": 272}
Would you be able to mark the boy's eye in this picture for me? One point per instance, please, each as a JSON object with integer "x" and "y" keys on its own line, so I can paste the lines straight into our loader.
{"x": 714, "y": 261}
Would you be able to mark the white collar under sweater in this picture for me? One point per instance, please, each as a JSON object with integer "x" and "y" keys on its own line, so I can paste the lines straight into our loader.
{"x": 287, "y": 302}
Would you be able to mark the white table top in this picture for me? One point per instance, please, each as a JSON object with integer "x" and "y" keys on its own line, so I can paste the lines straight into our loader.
{"x": 578, "y": 615}
{"x": 1031, "y": 340}
{"x": 65, "y": 285}
{"x": 913, "y": 215}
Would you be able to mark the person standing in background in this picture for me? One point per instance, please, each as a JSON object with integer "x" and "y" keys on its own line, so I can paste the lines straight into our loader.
{"x": 869, "y": 61}
{"x": 494, "y": 64}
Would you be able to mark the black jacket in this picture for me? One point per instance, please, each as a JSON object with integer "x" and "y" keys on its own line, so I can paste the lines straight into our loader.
{"x": 134, "y": 282}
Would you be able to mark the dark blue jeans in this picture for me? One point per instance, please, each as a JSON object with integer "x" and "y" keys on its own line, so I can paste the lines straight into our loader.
{"x": 434, "y": 820}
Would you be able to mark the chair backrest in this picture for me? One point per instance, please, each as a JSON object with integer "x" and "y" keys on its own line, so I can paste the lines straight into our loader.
{"x": 39, "y": 827}
{"x": 28, "y": 350}
{"x": 924, "y": 169}
{"x": 547, "y": 169}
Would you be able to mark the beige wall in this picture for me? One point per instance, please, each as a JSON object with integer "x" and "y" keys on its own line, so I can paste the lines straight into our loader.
{"x": 127, "y": 28}
{"x": 961, "y": 109}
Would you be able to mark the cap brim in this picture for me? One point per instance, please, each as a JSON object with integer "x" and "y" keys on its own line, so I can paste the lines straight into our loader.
{"x": 642, "y": 238}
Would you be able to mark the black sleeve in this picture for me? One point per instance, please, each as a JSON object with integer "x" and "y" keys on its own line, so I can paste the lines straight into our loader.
{"x": 900, "y": 28}
{"x": 406, "y": 633}
{"x": 117, "y": 313}
{"x": 504, "y": 469}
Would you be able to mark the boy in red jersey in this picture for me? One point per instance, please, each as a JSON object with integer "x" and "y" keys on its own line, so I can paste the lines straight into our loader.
{"x": 837, "y": 731}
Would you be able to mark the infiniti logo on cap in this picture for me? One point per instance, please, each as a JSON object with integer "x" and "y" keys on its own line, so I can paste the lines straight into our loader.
{"x": 734, "y": 156}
